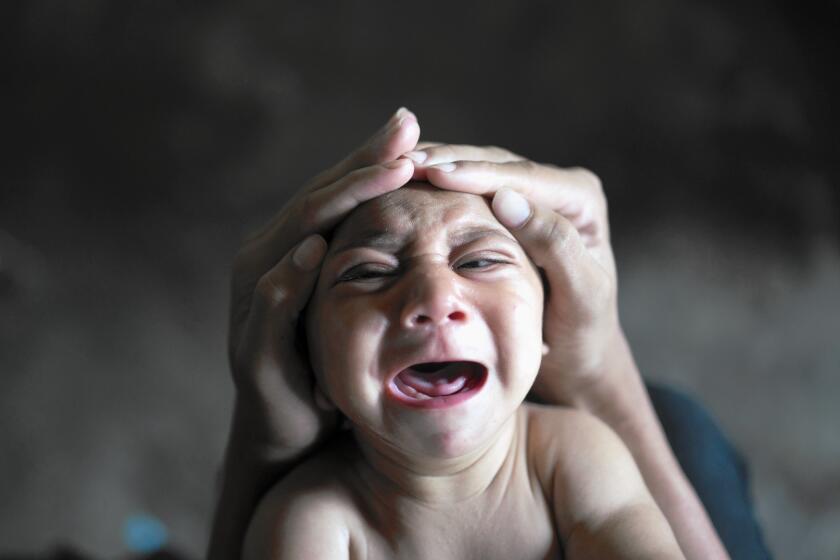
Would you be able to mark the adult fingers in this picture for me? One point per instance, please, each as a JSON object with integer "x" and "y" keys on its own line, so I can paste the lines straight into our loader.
{"x": 266, "y": 358}
{"x": 318, "y": 211}
{"x": 434, "y": 154}
{"x": 576, "y": 192}
{"x": 555, "y": 246}
{"x": 424, "y": 145}
{"x": 397, "y": 136}
{"x": 308, "y": 213}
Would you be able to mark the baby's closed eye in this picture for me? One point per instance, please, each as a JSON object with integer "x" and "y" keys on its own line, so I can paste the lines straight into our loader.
{"x": 366, "y": 272}
{"x": 374, "y": 271}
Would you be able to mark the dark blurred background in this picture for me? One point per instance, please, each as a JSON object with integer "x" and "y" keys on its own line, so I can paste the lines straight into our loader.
{"x": 144, "y": 139}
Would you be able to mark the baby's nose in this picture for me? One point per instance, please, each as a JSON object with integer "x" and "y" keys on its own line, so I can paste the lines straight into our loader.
{"x": 434, "y": 299}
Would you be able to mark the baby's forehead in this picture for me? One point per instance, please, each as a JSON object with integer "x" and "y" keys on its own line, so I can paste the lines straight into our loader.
{"x": 415, "y": 208}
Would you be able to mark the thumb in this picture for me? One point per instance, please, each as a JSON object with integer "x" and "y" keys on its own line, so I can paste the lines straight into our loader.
{"x": 552, "y": 242}
{"x": 267, "y": 346}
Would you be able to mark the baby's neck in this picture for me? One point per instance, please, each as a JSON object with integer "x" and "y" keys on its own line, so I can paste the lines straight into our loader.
{"x": 391, "y": 472}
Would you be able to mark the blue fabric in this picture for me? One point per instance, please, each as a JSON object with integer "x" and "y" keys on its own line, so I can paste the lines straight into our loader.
{"x": 715, "y": 469}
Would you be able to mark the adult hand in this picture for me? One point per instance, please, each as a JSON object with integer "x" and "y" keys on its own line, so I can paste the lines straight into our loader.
{"x": 560, "y": 218}
{"x": 277, "y": 419}
{"x": 274, "y": 387}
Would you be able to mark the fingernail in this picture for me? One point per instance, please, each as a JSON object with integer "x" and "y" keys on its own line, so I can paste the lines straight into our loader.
{"x": 391, "y": 130}
{"x": 309, "y": 253}
{"x": 396, "y": 164}
{"x": 511, "y": 208}
{"x": 406, "y": 113}
{"x": 445, "y": 167}
{"x": 393, "y": 123}
{"x": 395, "y": 117}
{"x": 417, "y": 157}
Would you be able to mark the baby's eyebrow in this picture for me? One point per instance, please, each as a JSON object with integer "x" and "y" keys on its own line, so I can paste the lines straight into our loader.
{"x": 471, "y": 233}
{"x": 391, "y": 242}
{"x": 374, "y": 238}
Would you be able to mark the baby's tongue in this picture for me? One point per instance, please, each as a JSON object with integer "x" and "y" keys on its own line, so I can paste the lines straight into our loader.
{"x": 436, "y": 380}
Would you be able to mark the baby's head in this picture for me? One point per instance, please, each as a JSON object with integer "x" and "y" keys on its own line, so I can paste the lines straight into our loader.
{"x": 425, "y": 328}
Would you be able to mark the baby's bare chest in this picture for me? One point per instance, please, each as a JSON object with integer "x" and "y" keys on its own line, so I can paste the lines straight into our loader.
{"x": 517, "y": 524}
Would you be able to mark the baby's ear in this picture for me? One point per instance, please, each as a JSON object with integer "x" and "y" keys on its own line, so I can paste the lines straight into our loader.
{"x": 322, "y": 401}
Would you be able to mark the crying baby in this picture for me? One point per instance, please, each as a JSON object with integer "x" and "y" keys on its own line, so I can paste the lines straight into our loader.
{"x": 425, "y": 331}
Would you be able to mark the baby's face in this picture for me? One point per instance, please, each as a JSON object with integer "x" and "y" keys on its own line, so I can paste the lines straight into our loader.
{"x": 425, "y": 328}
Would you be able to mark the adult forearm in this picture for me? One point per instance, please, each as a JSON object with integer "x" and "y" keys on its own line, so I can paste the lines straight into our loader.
{"x": 250, "y": 468}
{"x": 621, "y": 400}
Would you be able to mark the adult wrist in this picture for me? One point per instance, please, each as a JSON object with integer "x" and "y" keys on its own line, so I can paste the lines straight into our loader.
{"x": 254, "y": 441}
{"x": 616, "y": 383}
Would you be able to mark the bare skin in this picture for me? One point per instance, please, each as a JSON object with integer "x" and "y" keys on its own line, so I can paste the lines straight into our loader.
{"x": 422, "y": 275}
{"x": 277, "y": 418}
{"x": 589, "y": 364}
{"x": 337, "y": 506}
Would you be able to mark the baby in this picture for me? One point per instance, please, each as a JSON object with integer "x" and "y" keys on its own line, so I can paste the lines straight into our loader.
{"x": 425, "y": 330}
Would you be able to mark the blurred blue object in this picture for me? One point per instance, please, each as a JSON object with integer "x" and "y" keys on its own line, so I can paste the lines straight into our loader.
{"x": 144, "y": 533}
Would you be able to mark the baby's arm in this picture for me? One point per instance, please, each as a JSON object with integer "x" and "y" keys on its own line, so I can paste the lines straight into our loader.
{"x": 602, "y": 507}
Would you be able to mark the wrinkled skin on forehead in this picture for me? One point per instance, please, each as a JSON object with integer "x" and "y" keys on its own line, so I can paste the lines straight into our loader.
{"x": 425, "y": 275}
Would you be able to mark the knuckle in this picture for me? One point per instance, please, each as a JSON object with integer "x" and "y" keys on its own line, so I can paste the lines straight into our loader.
{"x": 527, "y": 167}
{"x": 307, "y": 214}
{"x": 555, "y": 235}
{"x": 532, "y": 166}
{"x": 590, "y": 179}
{"x": 432, "y": 152}
{"x": 593, "y": 183}
{"x": 443, "y": 152}
{"x": 447, "y": 152}
{"x": 270, "y": 291}
{"x": 500, "y": 153}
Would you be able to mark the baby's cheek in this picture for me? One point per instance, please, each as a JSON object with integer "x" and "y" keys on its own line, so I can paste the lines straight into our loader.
{"x": 350, "y": 349}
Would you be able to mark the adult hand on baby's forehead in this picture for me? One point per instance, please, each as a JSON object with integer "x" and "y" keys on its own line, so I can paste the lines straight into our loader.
{"x": 574, "y": 193}
{"x": 559, "y": 216}
{"x": 274, "y": 274}
{"x": 368, "y": 171}
{"x": 277, "y": 418}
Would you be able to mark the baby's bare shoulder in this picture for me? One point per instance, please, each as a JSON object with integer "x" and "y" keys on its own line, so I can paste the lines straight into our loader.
{"x": 556, "y": 429}
{"x": 309, "y": 512}
{"x": 585, "y": 468}
{"x": 566, "y": 442}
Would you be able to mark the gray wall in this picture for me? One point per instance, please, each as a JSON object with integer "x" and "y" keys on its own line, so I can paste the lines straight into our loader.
{"x": 148, "y": 138}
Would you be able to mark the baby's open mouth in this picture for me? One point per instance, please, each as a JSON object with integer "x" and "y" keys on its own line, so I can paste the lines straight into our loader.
{"x": 439, "y": 381}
